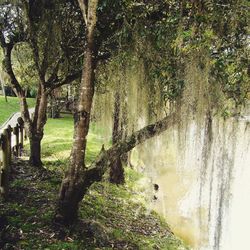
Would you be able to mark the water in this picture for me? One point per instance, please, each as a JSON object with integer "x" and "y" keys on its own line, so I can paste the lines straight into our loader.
{"x": 203, "y": 182}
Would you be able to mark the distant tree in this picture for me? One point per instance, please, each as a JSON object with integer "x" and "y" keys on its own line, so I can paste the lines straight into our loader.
{"x": 116, "y": 173}
{"x": 37, "y": 39}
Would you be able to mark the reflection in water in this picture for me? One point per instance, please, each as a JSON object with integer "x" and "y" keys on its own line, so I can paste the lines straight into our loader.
{"x": 203, "y": 184}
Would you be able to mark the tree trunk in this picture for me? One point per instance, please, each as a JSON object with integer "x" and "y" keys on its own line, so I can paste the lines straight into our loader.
{"x": 116, "y": 174}
{"x": 35, "y": 151}
{"x": 36, "y": 127}
{"x": 72, "y": 189}
{"x": 3, "y": 89}
{"x": 71, "y": 192}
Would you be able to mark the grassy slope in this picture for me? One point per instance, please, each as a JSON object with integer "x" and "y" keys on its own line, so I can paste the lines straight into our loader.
{"x": 57, "y": 141}
{"x": 120, "y": 220}
{"x": 12, "y": 106}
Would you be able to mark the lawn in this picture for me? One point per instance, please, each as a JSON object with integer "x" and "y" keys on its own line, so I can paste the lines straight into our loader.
{"x": 10, "y": 107}
{"x": 57, "y": 141}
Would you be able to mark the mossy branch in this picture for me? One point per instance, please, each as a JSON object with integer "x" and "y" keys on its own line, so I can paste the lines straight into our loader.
{"x": 97, "y": 169}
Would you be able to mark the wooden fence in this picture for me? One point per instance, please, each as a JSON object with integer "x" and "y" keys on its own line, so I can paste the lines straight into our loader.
{"x": 11, "y": 145}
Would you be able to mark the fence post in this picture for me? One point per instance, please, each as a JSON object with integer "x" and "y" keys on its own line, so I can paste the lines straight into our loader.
{"x": 21, "y": 126}
{"x": 9, "y": 144}
{"x": 16, "y": 133}
{"x": 1, "y": 160}
{"x": 5, "y": 166}
{"x": 6, "y": 150}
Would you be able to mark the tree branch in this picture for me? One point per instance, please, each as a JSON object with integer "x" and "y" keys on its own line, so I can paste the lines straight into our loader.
{"x": 68, "y": 79}
{"x": 100, "y": 165}
{"x": 9, "y": 70}
{"x": 53, "y": 77}
{"x": 2, "y": 40}
{"x": 44, "y": 64}
{"x": 84, "y": 6}
{"x": 92, "y": 16}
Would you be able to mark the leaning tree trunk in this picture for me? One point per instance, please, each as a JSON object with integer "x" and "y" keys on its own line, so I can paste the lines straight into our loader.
{"x": 72, "y": 189}
{"x": 116, "y": 174}
{"x": 97, "y": 169}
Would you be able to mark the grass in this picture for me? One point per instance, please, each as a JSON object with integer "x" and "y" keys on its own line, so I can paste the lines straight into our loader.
{"x": 10, "y": 107}
{"x": 112, "y": 217}
{"x": 57, "y": 142}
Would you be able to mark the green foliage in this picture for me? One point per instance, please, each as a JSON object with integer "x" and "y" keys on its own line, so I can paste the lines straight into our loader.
{"x": 47, "y": 38}
{"x": 24, "y": 66}
{"x": 232, "y": 74}
{"x": 174, "y": 30}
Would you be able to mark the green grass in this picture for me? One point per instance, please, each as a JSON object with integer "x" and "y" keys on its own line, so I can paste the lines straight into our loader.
{"x": 10, "y": 107}
{"x": 58, "y": 138}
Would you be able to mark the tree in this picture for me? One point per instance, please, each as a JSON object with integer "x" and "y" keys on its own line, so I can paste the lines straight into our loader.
{"x": 116, "y": 174}
{"x": 71, "y": 191}
{"x": 78, "y": 177}
{"x": 48, "y": 45}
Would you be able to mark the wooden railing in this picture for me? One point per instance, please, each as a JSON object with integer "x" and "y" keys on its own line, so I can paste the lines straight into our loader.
{"x": 11, "y": 145}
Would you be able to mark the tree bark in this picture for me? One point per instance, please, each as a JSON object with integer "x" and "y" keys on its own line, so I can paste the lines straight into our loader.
{"x": 3, "y": 89}
{"x": 35, "y": 151}
{"x": 35, "y": 126}
{"x": 71, "y": 191}
{"x": 116, "y": 174}
{"x": 71, "y": 188}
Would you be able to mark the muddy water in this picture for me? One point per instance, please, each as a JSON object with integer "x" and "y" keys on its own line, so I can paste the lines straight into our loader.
{"x": 203, "y": 183}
